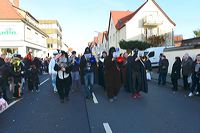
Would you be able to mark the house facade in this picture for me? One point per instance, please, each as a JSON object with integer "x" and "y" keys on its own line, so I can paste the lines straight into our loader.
{"x": 147, "y": 21}
{"x": 19, "y": 31}
{"x": 53, "y": 29}
{"x": 99, "y": 44}
{"x": 105, "y": 42}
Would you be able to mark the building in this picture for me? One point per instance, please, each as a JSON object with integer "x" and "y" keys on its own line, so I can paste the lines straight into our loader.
{"x": 19, "y": 31}
{"x": 100, "y": 43}
{"x": 104, "y": 46}
{"x": 191, "y": 42}
{"x": 178, "y": 40}
{"x": 54, "y": 31}
{"x": 147, "y": 21}
{"x": 94, "y": 46}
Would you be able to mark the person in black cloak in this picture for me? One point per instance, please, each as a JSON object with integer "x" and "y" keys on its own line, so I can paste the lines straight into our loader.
{"x": 176, "y": 73}
{"x": 34, "y": 75}
{"x": 139, "y": 80}
{"x": 101, "y": 69}
{"x": 112, "y": 76}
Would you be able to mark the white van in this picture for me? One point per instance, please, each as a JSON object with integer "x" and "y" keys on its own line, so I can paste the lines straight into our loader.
{"x": 154, "y": 54}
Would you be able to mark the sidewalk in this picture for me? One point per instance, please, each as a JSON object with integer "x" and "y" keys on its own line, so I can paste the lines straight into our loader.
{"x": 154, "y": 76}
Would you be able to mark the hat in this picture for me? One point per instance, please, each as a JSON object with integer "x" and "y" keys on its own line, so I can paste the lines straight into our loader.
{"x": 63, "y": 52}
{"x": 73, "y": 52}
{"x": 55, "y": 52}
{"x": 17, "y": 56}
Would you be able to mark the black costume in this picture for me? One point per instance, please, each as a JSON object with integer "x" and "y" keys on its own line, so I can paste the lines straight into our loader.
{"x": 138, "y": 75}
{"x": 63, "y": 79}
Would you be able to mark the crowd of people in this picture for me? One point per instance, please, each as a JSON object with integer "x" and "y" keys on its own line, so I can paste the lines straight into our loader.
{"x": 188, "y": 68}
{"x": 16, "y": 71}
{"x": 111, "y": 71}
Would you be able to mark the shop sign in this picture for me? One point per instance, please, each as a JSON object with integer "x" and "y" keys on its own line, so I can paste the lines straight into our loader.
{"x": 11, "y": 32}
{"x": 8, "y": 31}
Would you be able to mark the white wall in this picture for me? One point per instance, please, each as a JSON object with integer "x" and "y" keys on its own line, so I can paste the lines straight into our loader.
{"x": 134, "y": 28}
{"x": 115, "y": 36}
{"x": 18, "y": 36}
{"x": 34, "y": 37}
{"x": 12, "y": 30}
{"x": 112, "y": 34}
{"x": 105, "y": 44}
{"x": 48, "y": 26}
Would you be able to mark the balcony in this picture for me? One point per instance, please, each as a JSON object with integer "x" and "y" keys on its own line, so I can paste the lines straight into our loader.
{"x": 151, "y": 21}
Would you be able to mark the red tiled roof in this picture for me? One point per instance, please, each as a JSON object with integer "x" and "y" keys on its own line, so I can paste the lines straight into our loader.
{"x": 121, "y": 22}
{"x": 120, "y": 18}
{"x": 7, "y": 11}
{"x": 118, "y": 15}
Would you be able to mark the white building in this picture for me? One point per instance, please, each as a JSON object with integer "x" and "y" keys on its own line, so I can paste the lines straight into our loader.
{"x": 54, "y": 30}
{"x": 148, "y": 20}
{"x": 100, "y": 43}
{"x": 105, "y": 42}
{"x": 19, "y": 31}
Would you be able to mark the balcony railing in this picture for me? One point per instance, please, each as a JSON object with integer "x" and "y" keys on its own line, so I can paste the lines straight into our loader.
{"x": 151, "y": 21}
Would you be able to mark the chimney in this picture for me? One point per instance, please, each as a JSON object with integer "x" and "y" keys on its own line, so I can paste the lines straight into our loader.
{"x": 15, "y": 2}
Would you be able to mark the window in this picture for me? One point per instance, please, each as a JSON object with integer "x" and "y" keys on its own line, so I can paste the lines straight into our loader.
{"x": 48, "y": 45}
{"x": 151, "y": 54}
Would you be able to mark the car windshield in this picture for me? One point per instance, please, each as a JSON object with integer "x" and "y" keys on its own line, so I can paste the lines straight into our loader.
{"x": 145, "y": 53}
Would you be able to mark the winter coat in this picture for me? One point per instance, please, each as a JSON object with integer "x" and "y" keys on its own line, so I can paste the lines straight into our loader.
{"x": 176, "y": 70}
{"x": 163, "y": 68}
{"x": 187, "y": 66}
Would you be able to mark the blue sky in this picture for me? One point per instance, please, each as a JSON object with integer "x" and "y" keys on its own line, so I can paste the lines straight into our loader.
{"x": 81, "y": 18}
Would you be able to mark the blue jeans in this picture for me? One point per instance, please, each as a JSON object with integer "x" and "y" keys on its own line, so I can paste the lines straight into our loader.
{"x": 162, "y": 78}
{"x": 22, "y": 84}
{"x": 53, "y": 81}
{"x": 75, "y": 80}
{"x": 75, "y": 75}
{"x": 89, "y": 82}
{"x": 195, "y": 84}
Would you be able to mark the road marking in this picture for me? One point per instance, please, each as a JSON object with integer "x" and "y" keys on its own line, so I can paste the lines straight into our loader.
{"x": 107, "y": 128}
{"x": 94, "y": 98}
{"x": 11, "y": 104}
{"x": 44, "y": 82}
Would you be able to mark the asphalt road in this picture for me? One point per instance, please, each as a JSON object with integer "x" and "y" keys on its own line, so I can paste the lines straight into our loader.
{"x": 159, "y": 111}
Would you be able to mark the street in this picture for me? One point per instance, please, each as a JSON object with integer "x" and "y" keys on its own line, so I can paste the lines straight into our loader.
{"x": 159, "y": 111}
